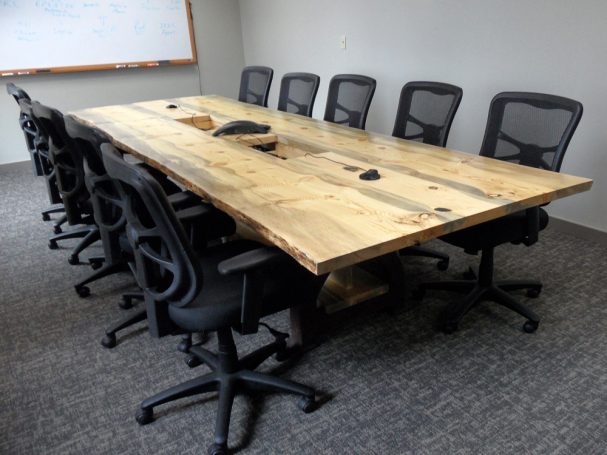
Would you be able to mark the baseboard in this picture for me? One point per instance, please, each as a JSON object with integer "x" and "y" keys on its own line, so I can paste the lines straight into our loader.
{"x": 578, "y": 230}
{"x": 15, "y": 165}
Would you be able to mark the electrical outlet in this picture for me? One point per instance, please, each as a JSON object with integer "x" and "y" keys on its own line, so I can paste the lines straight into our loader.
{"x": 342, "y": 42}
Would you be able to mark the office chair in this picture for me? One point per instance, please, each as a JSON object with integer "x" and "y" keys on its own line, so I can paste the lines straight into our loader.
{"x": 230, "y": 286}
{"x": 28, "y": 128}
{"x": 255, "y": 84}
{"x": 349, "y": 99}
{"x": 425, "y": 113}
{"x": 38, "y": 150}
{"x": 108, "y": 203}
{"x": 70, "y": 181}
{"x": 530, "y": 129}
{"x": 298, "y": 93}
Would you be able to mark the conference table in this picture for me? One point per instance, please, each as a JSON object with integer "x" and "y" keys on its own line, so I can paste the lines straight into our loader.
{"x": 305, "y": 196}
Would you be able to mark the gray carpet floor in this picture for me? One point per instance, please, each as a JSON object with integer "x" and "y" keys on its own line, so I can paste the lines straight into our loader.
{"x": 395, "y": 384}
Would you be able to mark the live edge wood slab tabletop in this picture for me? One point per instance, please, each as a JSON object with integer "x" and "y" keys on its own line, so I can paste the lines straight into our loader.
{"x": 301, "y": 198}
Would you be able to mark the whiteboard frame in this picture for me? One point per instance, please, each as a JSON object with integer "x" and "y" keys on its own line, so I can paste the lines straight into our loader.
{"x": 116, "y": 65}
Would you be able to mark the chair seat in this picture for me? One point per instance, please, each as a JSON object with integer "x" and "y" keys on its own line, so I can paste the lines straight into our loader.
{"x": 219, "y": 303}
{"x": 511, "y": 228}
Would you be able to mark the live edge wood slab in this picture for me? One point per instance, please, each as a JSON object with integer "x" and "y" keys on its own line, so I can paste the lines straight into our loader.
{"x": 301, "y": 198}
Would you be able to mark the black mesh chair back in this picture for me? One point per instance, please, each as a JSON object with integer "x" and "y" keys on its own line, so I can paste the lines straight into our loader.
{"x": 532, "y": 129}
{"x": 255, "y": 84}
{"x": 42, "y": 149}
{"x": 26, "y": 124}
{"x": 107, "y": 197}
{"x": 68, "y": 164}
{"x": 426, "y": 111}
{"x": 165, "y": 264}
{"x": 16, "y": 92}
{"x": 298, "y": 93}
{"x": 349, "y": 99}
{"x": 28, "y": 127}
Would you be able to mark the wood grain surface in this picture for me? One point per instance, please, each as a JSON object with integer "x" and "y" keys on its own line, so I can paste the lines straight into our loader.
{"x": 308, "y": 204}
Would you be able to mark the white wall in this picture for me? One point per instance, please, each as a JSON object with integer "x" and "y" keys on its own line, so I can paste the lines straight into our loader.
{"x": 220, "y": 58}
{"x": 219, "y": 45}
{"x": 484, "y": 46}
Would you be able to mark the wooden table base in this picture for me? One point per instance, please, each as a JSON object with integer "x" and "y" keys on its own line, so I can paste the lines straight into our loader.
{"x": 347, "y": 287}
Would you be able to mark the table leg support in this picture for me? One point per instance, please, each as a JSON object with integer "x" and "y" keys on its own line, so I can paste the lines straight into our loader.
{"x": 393, "y": 270}
{"x": 303, "y": 320}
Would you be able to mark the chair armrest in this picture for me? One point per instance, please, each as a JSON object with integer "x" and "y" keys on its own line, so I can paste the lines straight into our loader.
{"x": 183, "y": 199}
{"x": 166, "y": 183}
{"x": 195, "y": 212}
{"x": 253, "y": 264}
{"x": 253, "y": 260}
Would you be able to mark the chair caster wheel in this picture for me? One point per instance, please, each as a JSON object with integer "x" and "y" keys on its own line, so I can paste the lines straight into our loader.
{"x": 418, "y": 294}
{"x": 57, "y": 229}
{"x": 125, "y": 303}
{"x": 192, "y": 361}
{"x": 185, "y": 345}
{"x": 531, "y": 326}
{"x": 283, "y": 354}
{"x": 307, "y": 404}
{"x": 109, "y": 341}
{"x": 144, "y": 416}
{"x": 442, "y": 265}
{"x": 83, "y": 291}
{"x": 73, "y": 259}
{"x": 95, "y": 265}
{"x": 449, "y": 327}
{"x": 218, "y": 449}
{"x": 533, "y": 293}
{"x": 52, "y": 244}
{"x": 45, "y": 217}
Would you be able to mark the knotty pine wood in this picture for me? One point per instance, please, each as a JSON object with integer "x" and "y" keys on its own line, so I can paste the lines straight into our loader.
{"x": 319, "y": 213}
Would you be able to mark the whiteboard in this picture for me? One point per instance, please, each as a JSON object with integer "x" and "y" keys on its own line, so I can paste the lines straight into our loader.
{"x": 41, "y": 36}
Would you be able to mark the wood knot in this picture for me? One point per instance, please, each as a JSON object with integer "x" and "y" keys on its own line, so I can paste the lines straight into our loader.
{"x": 433, "y": 187}
{"x": 442, "y": 209}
